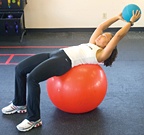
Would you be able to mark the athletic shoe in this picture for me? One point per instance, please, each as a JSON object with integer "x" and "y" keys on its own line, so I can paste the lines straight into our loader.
{"x": 11, "y": 109}
{"x": 27, "y": 125}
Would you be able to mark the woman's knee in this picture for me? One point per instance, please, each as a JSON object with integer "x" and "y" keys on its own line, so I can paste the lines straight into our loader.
{"x": 18, "y": 69}
{"x": 32, "y": 78}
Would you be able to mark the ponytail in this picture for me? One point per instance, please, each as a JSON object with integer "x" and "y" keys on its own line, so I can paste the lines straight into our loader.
{"x": 111, "y": 59}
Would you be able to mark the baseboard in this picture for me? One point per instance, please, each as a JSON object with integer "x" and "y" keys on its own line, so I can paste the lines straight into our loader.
{"x": 139, "y": 29}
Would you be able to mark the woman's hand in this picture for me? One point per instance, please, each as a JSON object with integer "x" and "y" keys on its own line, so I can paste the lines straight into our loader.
{"x": 120, "y": 17}
{"x": 135, "y": 16}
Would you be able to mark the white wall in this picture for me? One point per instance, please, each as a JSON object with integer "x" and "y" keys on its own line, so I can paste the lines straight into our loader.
{"x": 75, "y": 13}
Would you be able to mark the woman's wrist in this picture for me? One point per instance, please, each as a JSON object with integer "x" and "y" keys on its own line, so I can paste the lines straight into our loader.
{"x": 131, "y": 23}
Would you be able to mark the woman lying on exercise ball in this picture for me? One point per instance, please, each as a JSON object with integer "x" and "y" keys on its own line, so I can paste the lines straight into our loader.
{"x": 100, "y": 49}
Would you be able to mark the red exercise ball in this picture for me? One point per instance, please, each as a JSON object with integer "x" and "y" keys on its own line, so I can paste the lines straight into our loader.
{"x": 79, "y": 90}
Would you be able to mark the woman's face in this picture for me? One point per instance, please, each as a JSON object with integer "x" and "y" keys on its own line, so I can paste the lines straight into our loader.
{"x": 103, "y": 39}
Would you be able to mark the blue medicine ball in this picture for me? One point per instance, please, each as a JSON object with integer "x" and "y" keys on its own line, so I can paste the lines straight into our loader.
{"x": 127, "y": 11}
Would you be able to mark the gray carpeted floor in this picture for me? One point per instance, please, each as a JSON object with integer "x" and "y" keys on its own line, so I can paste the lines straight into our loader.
{"x": 120, "y": 113}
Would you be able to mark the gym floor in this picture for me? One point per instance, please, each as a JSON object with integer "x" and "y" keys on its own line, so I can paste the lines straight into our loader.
{"x": 120, "y": 113}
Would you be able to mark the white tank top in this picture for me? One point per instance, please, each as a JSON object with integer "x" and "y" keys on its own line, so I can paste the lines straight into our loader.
{"x": 82, "y": 54}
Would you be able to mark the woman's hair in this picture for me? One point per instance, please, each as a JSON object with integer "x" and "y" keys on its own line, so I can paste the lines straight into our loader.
{"x": 111, "y": 59}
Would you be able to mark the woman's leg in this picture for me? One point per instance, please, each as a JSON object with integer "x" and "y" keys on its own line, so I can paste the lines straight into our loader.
{"x": 21, "y": 71}
{"x": 56, "y": 65}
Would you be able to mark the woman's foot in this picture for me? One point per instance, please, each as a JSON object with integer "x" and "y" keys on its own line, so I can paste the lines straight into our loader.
{"x": 27, "y": 125}
{"x": 11, "y": 109}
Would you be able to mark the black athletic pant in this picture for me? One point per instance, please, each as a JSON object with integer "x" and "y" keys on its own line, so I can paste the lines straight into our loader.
{"x": 34, "y": 70}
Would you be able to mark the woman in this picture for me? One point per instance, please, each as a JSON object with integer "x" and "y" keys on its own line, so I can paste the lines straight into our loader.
{"x": 101, "y": 48}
